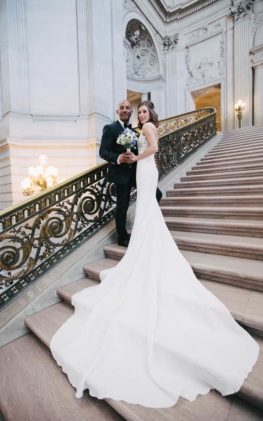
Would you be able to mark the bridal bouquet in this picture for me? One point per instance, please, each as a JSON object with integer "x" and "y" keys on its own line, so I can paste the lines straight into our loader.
{"x": 128, "y": 139}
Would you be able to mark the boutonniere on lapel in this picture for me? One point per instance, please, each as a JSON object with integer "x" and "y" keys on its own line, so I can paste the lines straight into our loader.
{"x": 128, "y": 139}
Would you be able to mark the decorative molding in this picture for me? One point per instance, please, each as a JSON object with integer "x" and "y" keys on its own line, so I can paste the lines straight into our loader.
{"x": 205, "y": 31}
{"x": 142, "y": 61}
{"x": 169, "y": 42}
{"x": 128, "y": 5}
{"x": 241, "y": 9}
{"x": 169, "y": 14}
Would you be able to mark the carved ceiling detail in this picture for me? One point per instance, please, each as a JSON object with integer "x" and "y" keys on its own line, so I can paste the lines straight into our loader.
{"x": 171, "y": 11}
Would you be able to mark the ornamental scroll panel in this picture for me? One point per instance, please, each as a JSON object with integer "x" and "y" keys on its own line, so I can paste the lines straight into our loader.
{"x": 40, "y": 232}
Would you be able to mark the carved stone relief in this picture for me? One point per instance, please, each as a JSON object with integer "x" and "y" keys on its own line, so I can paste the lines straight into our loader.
{"x": 257, "y": 29}
{"x": 169, "y": 42}
{"x": 241, "y": 9}
{"x": 141, "y": 55}
{"x": 205, "y": 60}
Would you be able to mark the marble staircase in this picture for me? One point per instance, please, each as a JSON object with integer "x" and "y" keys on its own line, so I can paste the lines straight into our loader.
{"x": 215, "y": 214}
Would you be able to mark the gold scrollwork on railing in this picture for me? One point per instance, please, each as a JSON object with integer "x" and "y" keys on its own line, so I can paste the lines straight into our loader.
{"x": 41, "y": 231}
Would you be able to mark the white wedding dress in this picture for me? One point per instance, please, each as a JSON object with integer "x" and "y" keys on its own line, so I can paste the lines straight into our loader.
{"x": 150, "y": 332}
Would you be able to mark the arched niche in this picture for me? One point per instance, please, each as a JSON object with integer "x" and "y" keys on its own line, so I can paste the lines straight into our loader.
{"x": 142, "y": 61}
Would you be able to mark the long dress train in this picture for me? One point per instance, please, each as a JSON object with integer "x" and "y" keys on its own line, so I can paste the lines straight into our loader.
{"x": 150, "y": 332}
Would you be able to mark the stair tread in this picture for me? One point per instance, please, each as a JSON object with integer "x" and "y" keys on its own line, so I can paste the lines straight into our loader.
{"x": 244, "y": 268}
{"x": 222, "y": 180}
{"x": 220, "y": 239}
{"x": 252, "y": 223}
{"x": 248, "y": 268}
{"x": 216, "y": 208}
{"x": 48, "y": 394}
{"x": 215, "y": 168}
{"x": 215, "y": 197}
{"x": 233, "y": 162}
{"x": 220, "y": 148}
{"x": 236, "y": 156}
{"x": 221, "y": 188}
{"x": 43, "y": 327}
{"x": 229, "y": 174}
{"x": 53, "y": 398}
{"x": 245, "y": 305}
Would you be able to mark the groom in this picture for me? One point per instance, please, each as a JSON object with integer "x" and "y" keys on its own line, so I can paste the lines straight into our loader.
{"x": 121, "y": 171}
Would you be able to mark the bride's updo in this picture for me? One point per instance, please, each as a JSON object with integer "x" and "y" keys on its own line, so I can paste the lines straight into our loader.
{"x": 152, "y": 112}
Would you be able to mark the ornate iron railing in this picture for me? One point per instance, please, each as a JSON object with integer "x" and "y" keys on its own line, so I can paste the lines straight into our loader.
{"x": 181, "y": 135}
{"x": 40, "y": 232}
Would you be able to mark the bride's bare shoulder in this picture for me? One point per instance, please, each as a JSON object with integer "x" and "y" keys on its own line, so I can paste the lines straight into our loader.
{"x": 149, "y": 131}
{"x": 149, "y": 127}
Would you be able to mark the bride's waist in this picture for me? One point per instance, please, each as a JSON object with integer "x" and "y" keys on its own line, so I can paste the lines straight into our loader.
{"x": 149, "y": 158}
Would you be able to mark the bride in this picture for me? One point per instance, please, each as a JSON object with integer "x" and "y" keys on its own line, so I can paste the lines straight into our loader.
{"x": 151, "y": 332}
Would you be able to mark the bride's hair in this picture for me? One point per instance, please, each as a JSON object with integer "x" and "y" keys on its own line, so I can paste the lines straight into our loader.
{"x": 153, "y": 115}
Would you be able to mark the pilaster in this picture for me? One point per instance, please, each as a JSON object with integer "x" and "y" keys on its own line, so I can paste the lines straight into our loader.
{"x": 18, "y": 56}
{"x": 82, "y": 45}
{"x": 242, "y": 70}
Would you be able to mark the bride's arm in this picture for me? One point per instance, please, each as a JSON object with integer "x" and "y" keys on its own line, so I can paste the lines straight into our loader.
{"x": 151, "y": 135}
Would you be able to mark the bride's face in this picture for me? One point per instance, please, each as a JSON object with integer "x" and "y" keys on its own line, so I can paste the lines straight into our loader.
{"x": 143, "y": 114}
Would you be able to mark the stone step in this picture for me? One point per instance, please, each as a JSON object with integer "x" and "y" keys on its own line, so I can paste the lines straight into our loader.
{"x": 234, "y": 271}
{"x": 239, "y": 181}
{"x": 222, "y": 175}
{"x": 234, "y": 153}
{"x": 251, "y": 228}
{"x": 207, "y": 170}
{"x": 227, "y": 245}
{"x": 248, "y": 129}
{"x": 235, "y": 148}
{"x": 221, "y": 145}
{"x": 217, "y": 212}
{"x": 248, "y": 137}
{"x": 41, "y": 322}
{"x": 218, "y": 190}
{"x": 33, "y": 387}
{"x": 232, "y": 164}
{"x": 241, "y": 158}
{"x": 244, "y": 201}
{"x": 245, "y": 305}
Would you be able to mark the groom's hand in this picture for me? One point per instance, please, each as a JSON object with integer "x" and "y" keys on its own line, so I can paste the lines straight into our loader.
{"x": 126, "y": 158}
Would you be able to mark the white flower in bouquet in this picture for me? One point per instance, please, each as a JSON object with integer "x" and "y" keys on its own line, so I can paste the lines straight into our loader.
{"x": 128, "y": 139}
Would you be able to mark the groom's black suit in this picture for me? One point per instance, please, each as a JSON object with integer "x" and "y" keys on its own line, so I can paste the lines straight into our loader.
{"x": 123, "y": 175}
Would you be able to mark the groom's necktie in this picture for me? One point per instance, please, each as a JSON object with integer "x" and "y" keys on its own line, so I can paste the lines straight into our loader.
{"x": 126, "y": 125}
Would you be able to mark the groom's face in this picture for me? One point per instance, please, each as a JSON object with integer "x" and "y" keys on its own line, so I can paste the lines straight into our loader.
{"x": 124, "y": 111}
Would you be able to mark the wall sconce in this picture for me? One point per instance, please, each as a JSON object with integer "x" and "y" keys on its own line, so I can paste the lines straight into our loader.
{"x": 239, "y": 107}
{"x": 40, "y": 177}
